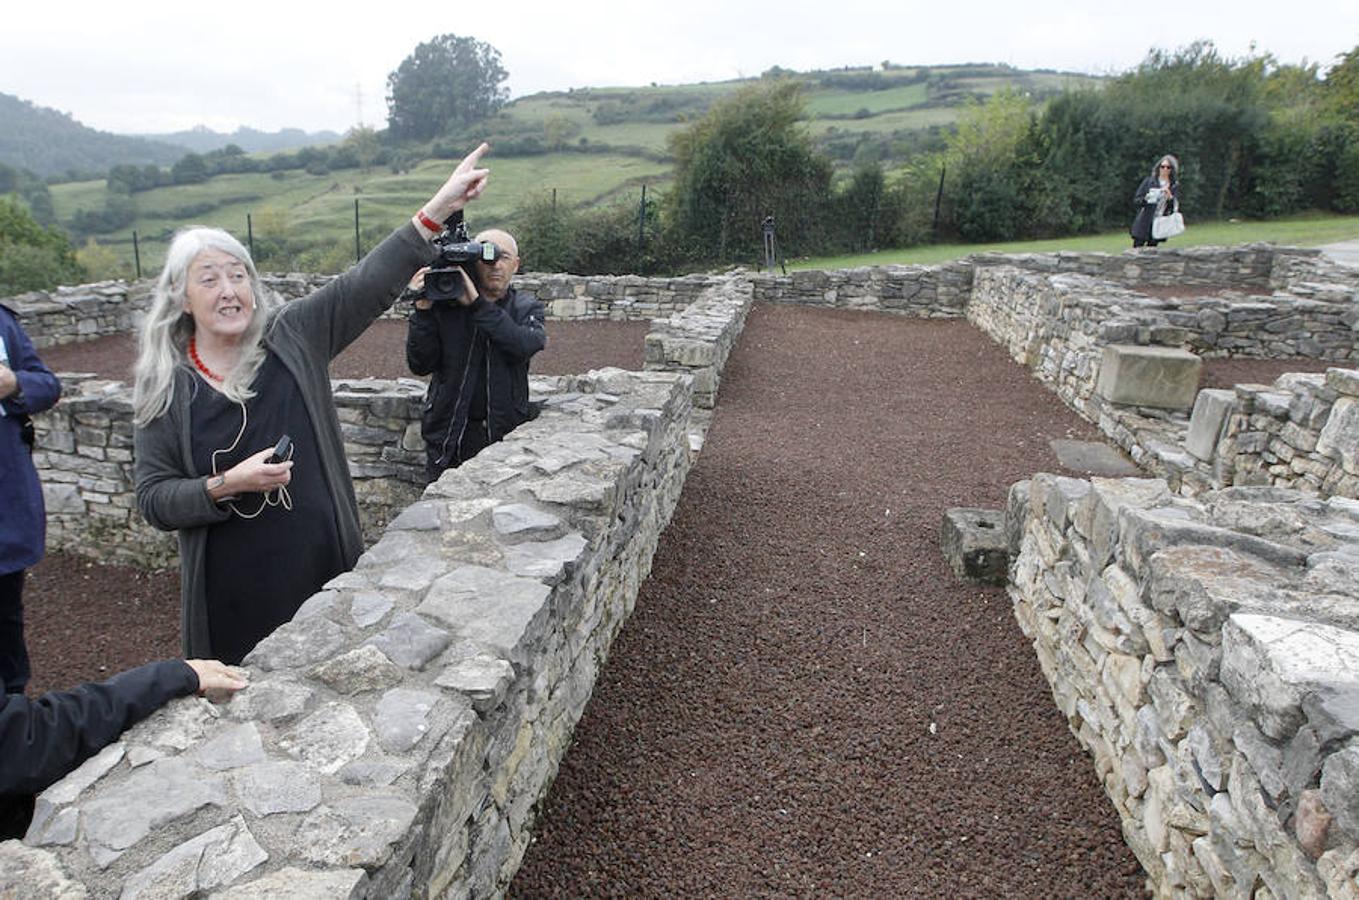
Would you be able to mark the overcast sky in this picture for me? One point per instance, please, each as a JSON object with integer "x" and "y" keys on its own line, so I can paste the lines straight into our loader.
{"x": 158, "y": 65}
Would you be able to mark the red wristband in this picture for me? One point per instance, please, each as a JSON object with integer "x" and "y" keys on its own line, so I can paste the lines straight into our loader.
{"x": 428, "y": 222}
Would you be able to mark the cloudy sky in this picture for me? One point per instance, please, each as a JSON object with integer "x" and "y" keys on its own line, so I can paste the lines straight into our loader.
{"x": 163, "y": 65}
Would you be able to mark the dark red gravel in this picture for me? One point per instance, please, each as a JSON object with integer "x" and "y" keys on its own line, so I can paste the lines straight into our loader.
{"x": 763, "y": 726}
{"x": 806, "y": 702}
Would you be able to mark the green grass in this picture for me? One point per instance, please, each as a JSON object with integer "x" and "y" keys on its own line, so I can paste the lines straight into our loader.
{"x": 324, "y": 204}
{"x": 847, "y": 103}
{"x": 1298, "y": 231}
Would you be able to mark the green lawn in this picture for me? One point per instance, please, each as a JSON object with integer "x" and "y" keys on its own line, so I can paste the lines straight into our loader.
{"x": 846, "y": 103}
{"x": 1298, "y": 231}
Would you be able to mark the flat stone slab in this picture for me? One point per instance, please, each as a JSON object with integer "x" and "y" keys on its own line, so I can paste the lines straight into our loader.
{"x": 975, "y": 545}
{"x": 1158, "y": 377}
{"x": 1211, "y": 411}
{"x": 1093, "y": 458}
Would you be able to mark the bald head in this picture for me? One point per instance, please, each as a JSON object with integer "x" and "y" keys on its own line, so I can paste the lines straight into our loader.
{"x": 501, "y": 239}
{"x": 495, "y": 277}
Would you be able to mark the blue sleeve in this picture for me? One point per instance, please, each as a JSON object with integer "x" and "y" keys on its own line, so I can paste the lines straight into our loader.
{"x": 39, "y": 389}
{"x": 44, "y": 739}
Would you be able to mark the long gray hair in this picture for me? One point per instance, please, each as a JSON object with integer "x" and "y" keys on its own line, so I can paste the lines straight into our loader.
{"x": 165, "y": 332}
{"x": 1174, "y": 167}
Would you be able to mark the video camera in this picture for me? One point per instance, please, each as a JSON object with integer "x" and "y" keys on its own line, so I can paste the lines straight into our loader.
{"x": 456, "y": 252}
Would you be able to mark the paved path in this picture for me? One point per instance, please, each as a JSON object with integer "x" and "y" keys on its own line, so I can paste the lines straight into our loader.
{"x": 1345, "y": 251}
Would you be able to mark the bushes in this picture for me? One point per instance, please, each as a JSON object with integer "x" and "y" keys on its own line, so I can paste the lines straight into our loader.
{"x": 600, "y": 241}
{"x": 746, "y": 159}
{"x": 32, "y": 257}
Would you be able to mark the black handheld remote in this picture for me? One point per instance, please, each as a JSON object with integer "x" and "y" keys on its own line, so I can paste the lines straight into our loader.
{"x": 281, "y": 450}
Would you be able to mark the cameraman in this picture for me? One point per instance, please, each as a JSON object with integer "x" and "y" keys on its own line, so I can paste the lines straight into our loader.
{"x": 477, "y": 347}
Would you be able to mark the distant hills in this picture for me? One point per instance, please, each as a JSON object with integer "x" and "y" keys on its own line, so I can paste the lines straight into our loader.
{"x": 47, "y": 142}
{"x": 203, "y": 139}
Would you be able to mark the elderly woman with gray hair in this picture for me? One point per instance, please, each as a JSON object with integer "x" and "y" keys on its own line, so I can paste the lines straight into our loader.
{"x": 223, "y": 373}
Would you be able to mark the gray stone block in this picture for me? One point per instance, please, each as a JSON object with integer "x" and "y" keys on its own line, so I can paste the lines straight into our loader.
{"x": 1206, "y": 423}
{"x": 975, "y": 545}
{"x": 1159, "y": 377}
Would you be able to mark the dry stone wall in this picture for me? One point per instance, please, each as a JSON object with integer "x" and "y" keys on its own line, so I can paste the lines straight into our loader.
{"x": 1301, "y": 432}
{"x": 1206, "y": 653}
{"x": 398, "y": 732}
{"x": 920, "y": 291}
{"x": 698, "y": 339}
{"x": 84, "y": 312}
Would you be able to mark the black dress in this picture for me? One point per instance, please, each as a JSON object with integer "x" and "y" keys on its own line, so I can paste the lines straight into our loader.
{"x": 267, "y": 559}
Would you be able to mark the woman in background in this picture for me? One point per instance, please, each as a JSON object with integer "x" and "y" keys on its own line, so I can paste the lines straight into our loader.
{"x": 222, "y": 374}
{"x": 1157, "y": 195}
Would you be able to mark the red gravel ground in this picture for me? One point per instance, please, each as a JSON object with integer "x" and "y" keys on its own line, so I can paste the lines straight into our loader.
{"x": 806, "y": 701}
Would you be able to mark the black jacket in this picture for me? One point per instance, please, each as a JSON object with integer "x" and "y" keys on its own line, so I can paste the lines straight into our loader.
{"x": 498, "y": 339}
{"x": 42, "y": 740}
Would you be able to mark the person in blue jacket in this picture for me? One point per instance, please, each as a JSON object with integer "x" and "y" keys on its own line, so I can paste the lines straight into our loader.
{"x": 26, "y": 387}
{"x": 43, "y": 739}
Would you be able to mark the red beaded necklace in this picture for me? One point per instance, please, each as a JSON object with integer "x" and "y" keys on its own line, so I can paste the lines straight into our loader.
{"x": 198, "y": 362}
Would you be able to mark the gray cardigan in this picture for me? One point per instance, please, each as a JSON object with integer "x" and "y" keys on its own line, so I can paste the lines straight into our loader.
{"x": 305, "y": 335}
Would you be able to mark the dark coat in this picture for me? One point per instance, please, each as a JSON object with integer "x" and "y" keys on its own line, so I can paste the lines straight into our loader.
{"x": 1141, "y": 224}
{"x": 23, "y": 520}
{"x": 44, "y": 739}
{"x": 305, "y": 335}
{"x": 498, "y": 338}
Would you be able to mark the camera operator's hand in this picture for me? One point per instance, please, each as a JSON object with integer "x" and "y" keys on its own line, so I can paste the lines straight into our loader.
{"x": 462, "y": 187}
{"x": 417, "y": 286}
{"x": 469, "y": 290}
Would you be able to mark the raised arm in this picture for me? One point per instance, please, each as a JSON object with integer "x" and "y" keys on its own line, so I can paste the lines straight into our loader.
{"x": 339, "y": 312}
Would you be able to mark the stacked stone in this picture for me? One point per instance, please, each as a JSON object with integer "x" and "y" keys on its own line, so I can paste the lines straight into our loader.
{"x": 80, "y": 313}
{"x": 398, "y": 733}
{"x": 698, "y": 339}
{"x": 615, "y": 297}
{"x": 380, "y": 424}
{"x": 933, "y": 292}
{"x": 83, "y": 454}
{"x": 1301, "y": 432}
{"x": 1206, "y": 654}
{"x": 1257, "y": 265}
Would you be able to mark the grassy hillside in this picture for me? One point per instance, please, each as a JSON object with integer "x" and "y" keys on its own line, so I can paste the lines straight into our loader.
{"x": 323, "y": 205}
{"x": 594, "y": 146}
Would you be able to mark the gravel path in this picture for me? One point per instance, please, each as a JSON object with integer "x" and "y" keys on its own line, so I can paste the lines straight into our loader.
{"x": 806, "y": 702}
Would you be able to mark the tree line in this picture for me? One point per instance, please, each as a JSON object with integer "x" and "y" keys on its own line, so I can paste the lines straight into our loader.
{"x": 1254, "y": 138}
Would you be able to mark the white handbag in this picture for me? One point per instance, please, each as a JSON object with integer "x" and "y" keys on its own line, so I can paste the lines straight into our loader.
{"x": 1163, "y": 227}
